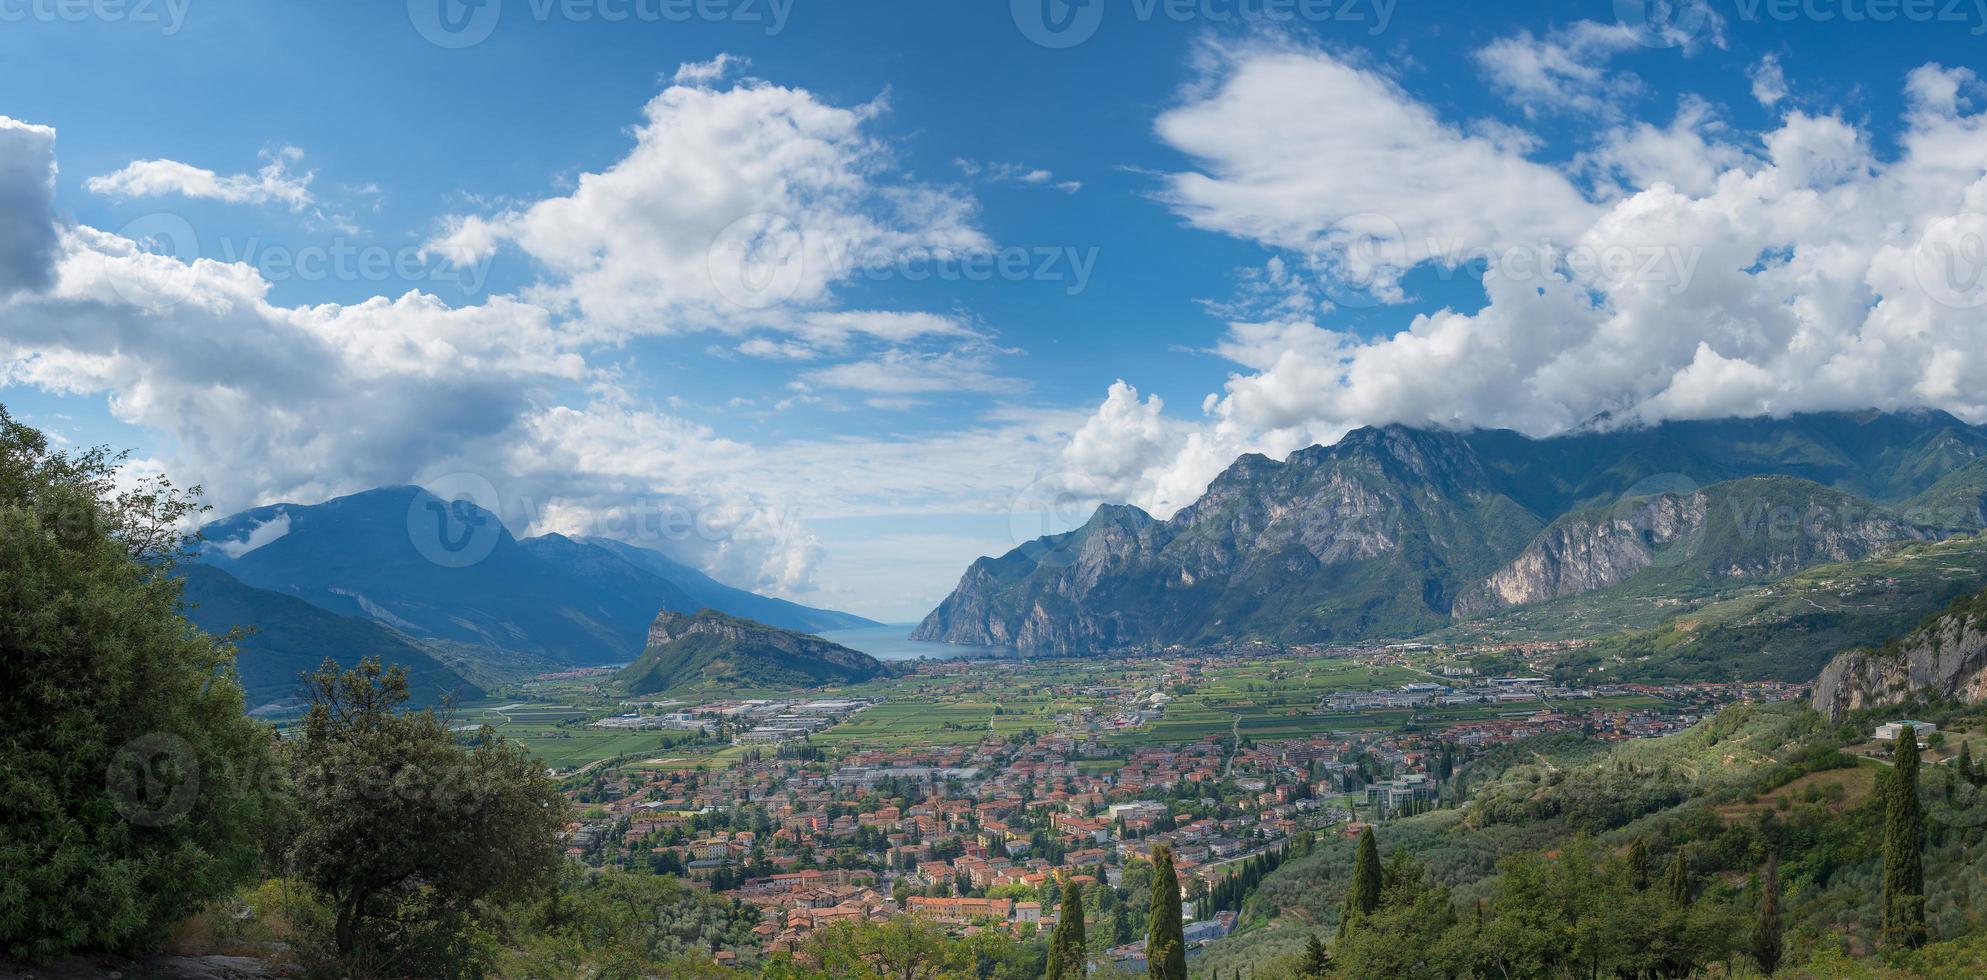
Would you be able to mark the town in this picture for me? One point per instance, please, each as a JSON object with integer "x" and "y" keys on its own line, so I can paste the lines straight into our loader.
{"x": 971, "y": 792}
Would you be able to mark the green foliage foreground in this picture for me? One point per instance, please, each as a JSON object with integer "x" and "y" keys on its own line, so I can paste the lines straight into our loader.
{"x": 129, "y": 776}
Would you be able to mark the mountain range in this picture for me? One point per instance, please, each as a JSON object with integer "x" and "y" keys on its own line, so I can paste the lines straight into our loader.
{"x": 711, "y": 647}
{"x": 391, "y": 583}
{"x": 1397, "y": 530}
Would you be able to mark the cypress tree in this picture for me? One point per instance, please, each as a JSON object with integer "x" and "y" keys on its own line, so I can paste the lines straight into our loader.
{"x": 1638, "y": 864}
{"x": 1363, "y": 894}
{"x": 1166, "y": 942}
{"x": 1964, "y": 761}
{"x": 1120, "y": 925}
{"x": 1904, "y": 838}
{"x": 1678, "y": 881}
{"x": 1317, "y": 960}
{"x": 1766, "y": 942}
{"x": 1069, "y": 952}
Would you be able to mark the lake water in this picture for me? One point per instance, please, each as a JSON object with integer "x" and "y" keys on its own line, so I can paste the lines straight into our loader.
{"x": 893, "y": 642}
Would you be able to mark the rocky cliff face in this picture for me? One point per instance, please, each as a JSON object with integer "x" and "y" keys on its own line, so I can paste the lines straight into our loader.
{"x": 1394, "y": 530}
{"x": 1944, "y": 658}
{"x": 1753, "y": 528}
{"x": 1584, "y": 553}
{"x": 1373, "y": 533}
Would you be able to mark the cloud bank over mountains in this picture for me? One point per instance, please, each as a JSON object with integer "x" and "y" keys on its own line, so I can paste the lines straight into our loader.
{"x": 1733, "y": 274}
{"x": 520, "y": 394}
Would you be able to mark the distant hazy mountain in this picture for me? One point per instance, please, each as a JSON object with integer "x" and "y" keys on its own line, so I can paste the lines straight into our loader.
{"x": 1389, "y": 530}
{"x": 450, "y": 572}
{"x": 713, "y": 648}
{"x": 292, "y": 638}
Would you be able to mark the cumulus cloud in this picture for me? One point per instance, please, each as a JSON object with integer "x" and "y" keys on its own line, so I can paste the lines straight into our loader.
{"x": 1352, "y": 178}
{"x": 1689, "y": 154}
{"x": 1791, "y": 270}
{"x": 736, "y": 207}
{"x": 265, "y": 403}
{"x": 274, "y": 183}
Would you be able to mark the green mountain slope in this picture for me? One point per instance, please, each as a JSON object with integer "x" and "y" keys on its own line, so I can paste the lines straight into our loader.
{"x": 1786, "y": 629}
{"x": 1538, "y": 858}
{"x": 1958, "y": 500}
{"x": 713, "y": 648}
{"x": 291, "y": 637}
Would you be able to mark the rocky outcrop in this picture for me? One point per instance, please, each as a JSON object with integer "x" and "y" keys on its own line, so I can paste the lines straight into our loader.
{"x": 1944, "y": 658}
{"x": 711, "y": 646}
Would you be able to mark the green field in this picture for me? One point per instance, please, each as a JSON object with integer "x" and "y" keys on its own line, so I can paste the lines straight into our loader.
{"x": 1263, "y": 698}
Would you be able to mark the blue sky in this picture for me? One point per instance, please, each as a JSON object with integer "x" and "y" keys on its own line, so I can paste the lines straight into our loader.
{"x": 855, "y": 443}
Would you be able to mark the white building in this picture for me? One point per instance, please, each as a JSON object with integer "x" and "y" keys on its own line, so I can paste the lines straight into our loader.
{"x": 1888, "y": 731}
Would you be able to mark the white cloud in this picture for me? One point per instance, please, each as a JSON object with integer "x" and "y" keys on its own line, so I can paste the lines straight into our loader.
{"x": 264, "y": 403}
{"x": 257, "y": 536}
{"x": 1565, "y": 71}
{"x": 1787, "y": 271}
{"x": 273, "y": 184}
{"x": 905, "y": 372}
{"x": 1690, "y": 153}
{"x": 1007, "y": 172}
{"x": 1769, "y": 83}
{"x": 1348, "y": 174}
{"x": 706, "y": 72}
{"x": 736, "y": 209}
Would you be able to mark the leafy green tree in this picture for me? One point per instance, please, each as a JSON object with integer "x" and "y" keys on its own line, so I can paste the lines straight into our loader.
{"x": 1166, "y": 941}
{"x": 131, "y": 781}
{"x": 406, "y": 835}
{"x": 1121, "y": 930}
{"x": 1904, "y": 840}
{"x": 1069, "y": 952}
{"x": 1767, "y": 945}
{"x": 1363, "y": 894}
{"x": 905, "y": 948}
